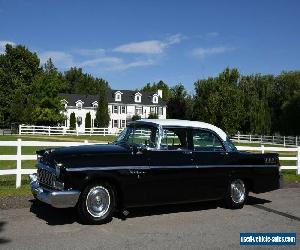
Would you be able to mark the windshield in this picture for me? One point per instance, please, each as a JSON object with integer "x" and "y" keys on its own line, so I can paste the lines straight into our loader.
{"x": 139, "y": 135}
{"x": 230, "y": 144}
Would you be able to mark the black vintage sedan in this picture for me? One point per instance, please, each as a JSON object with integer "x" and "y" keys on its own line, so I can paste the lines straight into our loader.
{"x": 152, "y": 162}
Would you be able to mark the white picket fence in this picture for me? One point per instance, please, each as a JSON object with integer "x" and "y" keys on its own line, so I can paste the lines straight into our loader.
{"x": 47, "y": 130}
{"x": 268, "y": 139}
{"x": 19, "y": 157}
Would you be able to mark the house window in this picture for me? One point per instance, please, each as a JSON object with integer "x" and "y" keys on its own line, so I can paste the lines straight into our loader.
{"x": 79, "y": 106}
{"x": 115, "y": 123}
{"x": 138, "y": 97}
{"x": 138, "y": 110}
{"x": 116, "y": 110}
{"x": 160, "y": 111}
{"x": 118, "y": 98}
{"x": 123, "y": 123}
{"x": 152, "y": 110}
{"x": 95, "y": 105}
{"x": 155, "y": 99}
{"x": 123, "y": 109}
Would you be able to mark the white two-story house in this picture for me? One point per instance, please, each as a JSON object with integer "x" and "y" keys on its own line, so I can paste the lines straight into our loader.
{"x": 122, "y": 105}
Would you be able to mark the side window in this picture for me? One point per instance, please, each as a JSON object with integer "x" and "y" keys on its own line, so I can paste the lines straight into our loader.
{"x": 174, "y": 139}
{"x": 206, "y": 141}
{"x": 146, "y": 136}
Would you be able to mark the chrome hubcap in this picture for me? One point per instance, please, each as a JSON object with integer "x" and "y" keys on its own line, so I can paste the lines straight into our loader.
{"x": 98, "y": 201}
{"x": 238, "y": 191}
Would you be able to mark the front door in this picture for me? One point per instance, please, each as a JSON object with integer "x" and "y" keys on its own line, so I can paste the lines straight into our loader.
{"x": 172, "y": 168}
{"x": 210, "y": 157}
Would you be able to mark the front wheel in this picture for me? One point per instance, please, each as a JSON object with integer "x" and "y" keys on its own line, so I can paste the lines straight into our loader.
{"x": 96, "y": 204}
{"x": 237, "y": 194}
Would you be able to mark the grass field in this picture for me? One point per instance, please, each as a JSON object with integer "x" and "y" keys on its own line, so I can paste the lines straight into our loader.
{"x": 7, "y": 183}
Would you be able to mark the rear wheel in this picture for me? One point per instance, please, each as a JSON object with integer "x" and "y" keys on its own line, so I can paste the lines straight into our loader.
{"x": 237, "y": 194}
{"x": 96, "y": 204}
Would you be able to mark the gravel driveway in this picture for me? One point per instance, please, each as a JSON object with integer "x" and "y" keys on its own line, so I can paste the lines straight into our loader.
{"x": 192, "y": 226}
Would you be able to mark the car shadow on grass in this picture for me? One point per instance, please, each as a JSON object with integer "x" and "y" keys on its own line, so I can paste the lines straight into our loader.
{"x": 62, "y": 216}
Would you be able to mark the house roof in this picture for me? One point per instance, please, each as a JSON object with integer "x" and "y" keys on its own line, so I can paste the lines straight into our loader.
{"x": 127, "y": 98}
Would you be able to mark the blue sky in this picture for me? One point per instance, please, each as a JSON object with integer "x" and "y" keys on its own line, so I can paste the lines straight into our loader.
{"x": 130, "y": 43}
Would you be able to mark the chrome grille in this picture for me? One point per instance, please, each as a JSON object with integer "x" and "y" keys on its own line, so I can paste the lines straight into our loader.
{"x": 45, "y": 177}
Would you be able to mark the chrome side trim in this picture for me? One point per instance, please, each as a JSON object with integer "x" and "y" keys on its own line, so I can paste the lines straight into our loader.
{"x": 59, "y": 199}
{"x": 163, "y": 167}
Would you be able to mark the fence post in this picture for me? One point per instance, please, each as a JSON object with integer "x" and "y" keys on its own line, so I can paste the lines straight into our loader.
{"x": 250, "y": 138}
{"x": 20, "y": 127}
{"x": 77, "y": 131}
{"x": 238, "y": 137}
{"x": 19, "y": 164}
{"x": 273, "y": 140}
{"x": 49, "y": 131}
{"x": 296, "y": 141}
{"x": 284, "y": 141}
{"x": 262, "y": 149}
{"x": 298, "y": 161}
{"x": 261, "y": 139}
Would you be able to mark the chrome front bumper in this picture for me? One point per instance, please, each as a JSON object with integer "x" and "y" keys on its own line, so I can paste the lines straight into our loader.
{"x": 59, "y": 199}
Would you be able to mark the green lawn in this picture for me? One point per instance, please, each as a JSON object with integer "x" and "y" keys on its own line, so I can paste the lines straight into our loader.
{"x": 81, "y": 138}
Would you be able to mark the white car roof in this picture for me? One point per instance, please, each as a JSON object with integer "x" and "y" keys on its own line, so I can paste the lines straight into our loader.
{"x": 186, "y": 123}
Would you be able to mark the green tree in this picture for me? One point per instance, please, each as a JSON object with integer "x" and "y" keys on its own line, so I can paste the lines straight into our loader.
{"x": 45, "y": 89}
{"x": 88, "y": 120}
{"x": 18, "y": 67}
{"x": 78, "y": 82}
{"x": 136, "y": 117}
{"x": 156, "y": 86}
{"x": 153, "y": 116}
{"x": 291, "y": 116}
{"x": 102, "y": 115}
{"x": 72, "y": 121}
{"x": 177, "y": 103}
{"x": 48, "y": 112}
{"x": 219, "y": 101}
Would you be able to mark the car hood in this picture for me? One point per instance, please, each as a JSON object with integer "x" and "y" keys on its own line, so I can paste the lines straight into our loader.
{"x": 63, "y": 153}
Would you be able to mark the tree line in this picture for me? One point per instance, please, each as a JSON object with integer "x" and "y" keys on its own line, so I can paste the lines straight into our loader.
{"x": 29, "y": 92}
{"x": 250, "y": 104}
{"x": 256, "y": 104}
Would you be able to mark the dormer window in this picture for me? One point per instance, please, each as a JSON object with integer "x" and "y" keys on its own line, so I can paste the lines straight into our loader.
{"x": 138, "y": 97}
{"x": 79, "y": 104}
{"x": 65, "y": 103}
{"x": 95, "y": 104}
{"x": 155, "y": 98}
{"x": 118, "y": 96}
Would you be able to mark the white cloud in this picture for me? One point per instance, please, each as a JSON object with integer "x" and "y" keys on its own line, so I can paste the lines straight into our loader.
{"x": 150, "y": 46}
{"x": 177, "y": 38}
{"x": 124, "y": 66}
{"x": 2, "y": 45}
{"x": 204, "y": 52}
{"x": 90, "y": 52}
{"x": 60, "y": 59}
{"x": 212, "y": 34}
{"x": 100, "y": 60}
{"x": 145, "y": 47}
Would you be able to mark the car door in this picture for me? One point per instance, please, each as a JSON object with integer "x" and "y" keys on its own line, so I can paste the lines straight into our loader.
{"x": 210, "y": 157}
{"x": 172, "y": 168}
